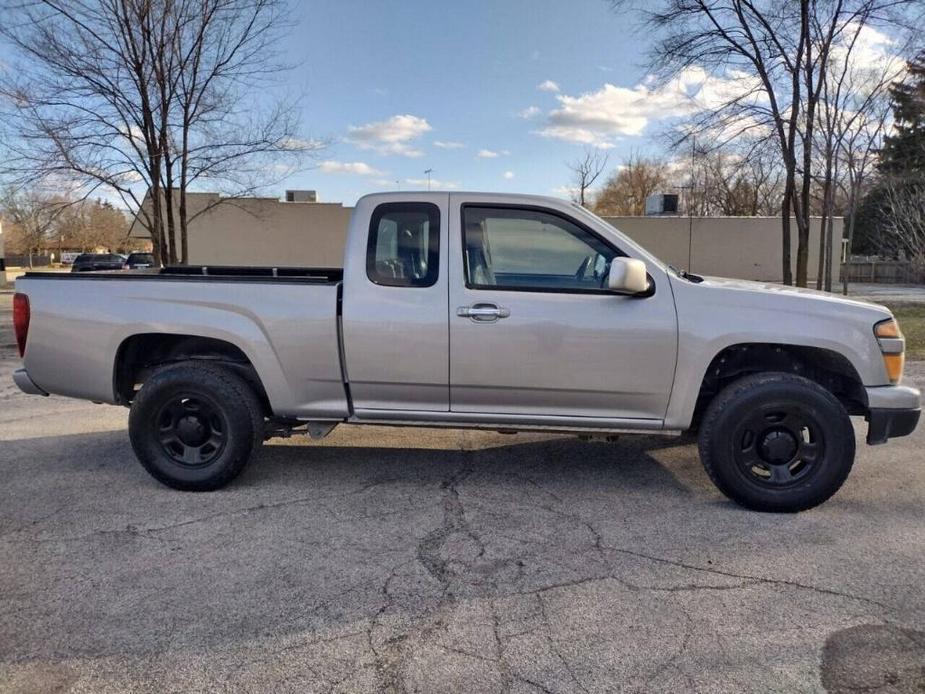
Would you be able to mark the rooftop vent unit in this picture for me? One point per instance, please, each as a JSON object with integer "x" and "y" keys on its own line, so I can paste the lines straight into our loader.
{"x": 661, "y": 204}
{"x": 301, "y": 196}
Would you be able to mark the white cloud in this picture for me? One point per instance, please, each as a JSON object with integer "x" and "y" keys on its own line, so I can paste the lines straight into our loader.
{"x": 448, "y": 145}
{"x": 873, "y": 54}
{"x": 595, "y": 118}
{"x": 548, "y": 86}
{"x": 434, "y": 183}
{"x": 349, "y": 167}
{"x": 487, "y": 154}
{"x": 392, "y": 136}
{"x": 508, "y": 175}
{"x": 530, "y": 112}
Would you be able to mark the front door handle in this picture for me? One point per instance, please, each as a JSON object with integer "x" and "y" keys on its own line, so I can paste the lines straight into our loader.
{"x": 483, "y": 313}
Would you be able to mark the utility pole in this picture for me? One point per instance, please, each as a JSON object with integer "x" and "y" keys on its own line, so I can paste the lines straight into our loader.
{"x": 428, "y": 172}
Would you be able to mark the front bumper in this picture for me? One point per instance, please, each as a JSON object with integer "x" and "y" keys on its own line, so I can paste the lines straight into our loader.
{"x": 26, "y": 384}
{"x": 892, "y": 411}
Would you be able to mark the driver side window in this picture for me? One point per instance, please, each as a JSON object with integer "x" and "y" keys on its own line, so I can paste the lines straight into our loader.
{"x": 531, "y": 250}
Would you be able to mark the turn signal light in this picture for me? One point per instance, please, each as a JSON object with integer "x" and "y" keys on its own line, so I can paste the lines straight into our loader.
{"x": 892, "y": 346}
{"x": 21, "y": 321}
{"x": 894, "y": 364}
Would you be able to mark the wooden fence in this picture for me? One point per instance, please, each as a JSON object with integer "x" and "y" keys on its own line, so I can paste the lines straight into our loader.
{"x": 879, "y": 271}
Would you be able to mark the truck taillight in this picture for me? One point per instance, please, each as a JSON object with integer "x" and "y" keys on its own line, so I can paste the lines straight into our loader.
{"x": 21, "y": 321}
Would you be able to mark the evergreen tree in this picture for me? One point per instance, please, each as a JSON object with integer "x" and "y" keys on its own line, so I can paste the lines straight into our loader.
{"x": 903, "y": 151}
{"x": 902, "y": 173}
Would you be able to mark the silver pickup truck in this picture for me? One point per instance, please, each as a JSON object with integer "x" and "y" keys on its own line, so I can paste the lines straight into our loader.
{"x": 503, "y": 312}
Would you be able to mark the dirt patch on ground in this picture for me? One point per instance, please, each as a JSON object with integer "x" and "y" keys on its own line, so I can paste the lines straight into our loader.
{"x": 874, "y": 658}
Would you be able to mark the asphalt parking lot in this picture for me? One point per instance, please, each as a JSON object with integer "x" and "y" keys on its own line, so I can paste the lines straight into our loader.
{"x": 431, "y": 561}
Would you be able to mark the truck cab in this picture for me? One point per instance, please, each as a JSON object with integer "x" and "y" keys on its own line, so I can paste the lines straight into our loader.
{"x": 473, "y": 306}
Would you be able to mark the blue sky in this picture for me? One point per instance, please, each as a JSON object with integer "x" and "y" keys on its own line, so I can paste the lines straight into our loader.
{"x": 493, "y": 95}
{"x": 390, "y": 82}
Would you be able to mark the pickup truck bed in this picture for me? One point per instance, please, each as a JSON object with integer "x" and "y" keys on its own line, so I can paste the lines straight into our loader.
{"x": 283, "y": 320}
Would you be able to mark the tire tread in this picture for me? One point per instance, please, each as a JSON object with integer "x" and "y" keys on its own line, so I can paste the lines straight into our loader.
{"x": 217, "y": 376}
{"x": 731, "y": 397}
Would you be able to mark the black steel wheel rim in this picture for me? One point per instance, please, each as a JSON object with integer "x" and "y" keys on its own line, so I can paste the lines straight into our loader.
{"x": 778, "y": 445}
{"x": 191, "y": 430}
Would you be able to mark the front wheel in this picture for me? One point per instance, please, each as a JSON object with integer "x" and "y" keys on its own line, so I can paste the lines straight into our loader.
{"x": 777, "y": 442}
{"x": 194, "y": 425}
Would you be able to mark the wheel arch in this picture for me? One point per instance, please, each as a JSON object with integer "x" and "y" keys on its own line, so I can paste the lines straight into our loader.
{"x": 830, "y": 369}
{"x": 139, "y": 354}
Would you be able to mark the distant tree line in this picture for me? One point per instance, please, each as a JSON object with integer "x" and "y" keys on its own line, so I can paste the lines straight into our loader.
{"x": 36, "y": 224}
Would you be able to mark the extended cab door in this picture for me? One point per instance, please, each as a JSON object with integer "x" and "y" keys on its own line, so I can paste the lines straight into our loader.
{"x": 532, "y": 331}
{"x": 395, "y": 331}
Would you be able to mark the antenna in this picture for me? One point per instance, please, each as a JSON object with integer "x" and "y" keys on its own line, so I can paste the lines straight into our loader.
{"x": 690, "y": 204}
{"x": 428, "y": 172}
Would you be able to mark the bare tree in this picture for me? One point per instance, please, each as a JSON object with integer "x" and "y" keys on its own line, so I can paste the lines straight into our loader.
{"x": 625, "y": 192}
{"x": 777, "y": 51}
{"x": 33, "y": 215}
{"x": 147, "y": 99}
{"x": 586, "y": 170}
{"x": 852, "y": 114}
{"x": 859, "y": 152}
{"x": 90, "y": 224}
{"x": 736, "y": 181}
{"x": 904, "y": 208}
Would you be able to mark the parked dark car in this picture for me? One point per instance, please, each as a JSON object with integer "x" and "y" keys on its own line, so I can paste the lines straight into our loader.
{"x": 137, "y": 261}
{"x": 87, "y": 262}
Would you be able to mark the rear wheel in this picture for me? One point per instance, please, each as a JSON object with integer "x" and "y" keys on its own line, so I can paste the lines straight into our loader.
{"x": 777, "y": 442}
{"x": 194, "y": 425}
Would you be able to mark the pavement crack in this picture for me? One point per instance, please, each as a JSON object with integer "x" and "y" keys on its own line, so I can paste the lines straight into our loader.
{"x": 672, "y": 662}
{"x": 554, "y": 646}
{"x": 503, "y": 667}
{"x": 430, "y": 548}
{"x": 746, "y": 577}
{"x": 389, "y": 659}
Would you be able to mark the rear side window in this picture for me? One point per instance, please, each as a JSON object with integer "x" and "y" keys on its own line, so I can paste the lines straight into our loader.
{"x": 404, "y": 245}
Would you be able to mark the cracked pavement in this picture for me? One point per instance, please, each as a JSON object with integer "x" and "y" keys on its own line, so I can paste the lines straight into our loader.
{"x": 385, "y": 559}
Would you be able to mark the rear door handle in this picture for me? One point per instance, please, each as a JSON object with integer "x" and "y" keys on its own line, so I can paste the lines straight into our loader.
{"x": 483, "y": 313}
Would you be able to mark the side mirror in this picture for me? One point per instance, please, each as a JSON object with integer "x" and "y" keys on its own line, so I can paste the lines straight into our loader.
{"x": 627, "y": 276}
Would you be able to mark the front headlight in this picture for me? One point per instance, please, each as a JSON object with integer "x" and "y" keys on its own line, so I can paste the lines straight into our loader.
{"x": 893, "y": 346}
